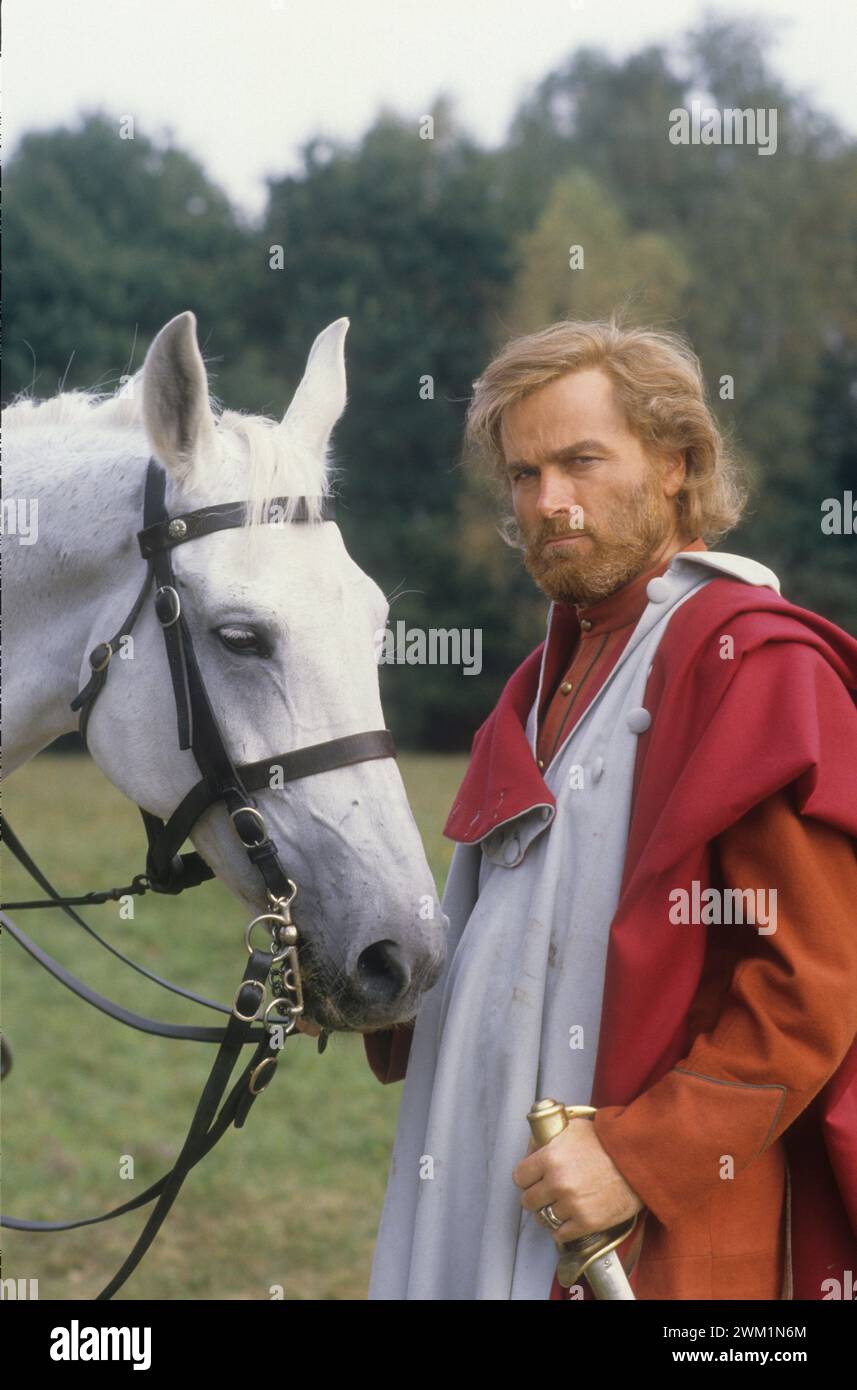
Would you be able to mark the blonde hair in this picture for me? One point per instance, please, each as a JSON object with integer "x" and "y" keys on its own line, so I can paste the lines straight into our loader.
{"x": 660, "y": 388}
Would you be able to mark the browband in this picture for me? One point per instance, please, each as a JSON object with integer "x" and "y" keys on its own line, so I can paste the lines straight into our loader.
{"x": 226, "y": 516}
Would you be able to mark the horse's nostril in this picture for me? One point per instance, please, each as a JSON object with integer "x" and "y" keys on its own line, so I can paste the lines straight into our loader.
{"x": 380, "y": 975}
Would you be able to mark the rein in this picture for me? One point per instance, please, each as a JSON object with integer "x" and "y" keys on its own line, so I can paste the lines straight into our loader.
{"x": 169, "y": 871}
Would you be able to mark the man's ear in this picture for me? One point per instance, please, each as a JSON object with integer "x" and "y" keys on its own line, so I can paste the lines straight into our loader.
{"x": 673, "y": 472}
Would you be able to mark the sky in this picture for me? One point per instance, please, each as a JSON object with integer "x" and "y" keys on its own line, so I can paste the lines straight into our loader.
{"x": 242, "y": 84}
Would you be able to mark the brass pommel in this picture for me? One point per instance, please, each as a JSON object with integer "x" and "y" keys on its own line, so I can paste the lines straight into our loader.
{"x": 549, "y": 1117}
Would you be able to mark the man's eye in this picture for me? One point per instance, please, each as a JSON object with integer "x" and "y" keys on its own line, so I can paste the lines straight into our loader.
{"x": 243, "y": 640}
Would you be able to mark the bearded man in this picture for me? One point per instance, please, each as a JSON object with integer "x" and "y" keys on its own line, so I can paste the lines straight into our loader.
{"x": 682, "y": 743}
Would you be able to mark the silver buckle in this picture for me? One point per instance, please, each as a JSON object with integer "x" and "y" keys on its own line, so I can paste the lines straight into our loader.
{"x": 254, "y": 984}
{"x": 251, "y": 811}
{"x": 101, "y": 665}
{"x": 168, "y": 589}
{"x": 258, "y": 1071}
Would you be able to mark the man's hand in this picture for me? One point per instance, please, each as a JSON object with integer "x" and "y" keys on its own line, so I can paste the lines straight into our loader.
{"x": 577, "y": 1177}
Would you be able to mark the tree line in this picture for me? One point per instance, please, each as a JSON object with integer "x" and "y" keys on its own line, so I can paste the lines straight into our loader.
{"x": 439, "y": 250}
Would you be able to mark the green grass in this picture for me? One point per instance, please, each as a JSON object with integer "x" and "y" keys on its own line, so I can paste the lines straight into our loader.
{"x": 292, "y": 1199}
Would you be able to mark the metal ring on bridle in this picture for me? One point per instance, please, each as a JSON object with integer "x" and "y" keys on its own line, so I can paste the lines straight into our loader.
{"x": 282, "y": 902}
{"x": 257, "y": 1071}
{"x": 291, "y": 1009}
{"x": 289, "y": 981}
{"x": 267, "y": 917}
{"x": 167, "y": 621}
{"x": 101, "y": 665}
{"x": 254, "y": 984}
{"x": 250, "y": 811}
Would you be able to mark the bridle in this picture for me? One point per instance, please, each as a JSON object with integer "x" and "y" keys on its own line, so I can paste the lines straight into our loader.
{"x": 169, "y": 871}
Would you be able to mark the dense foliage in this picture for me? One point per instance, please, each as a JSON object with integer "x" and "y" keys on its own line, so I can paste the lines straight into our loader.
{"x": 438, "y": 250}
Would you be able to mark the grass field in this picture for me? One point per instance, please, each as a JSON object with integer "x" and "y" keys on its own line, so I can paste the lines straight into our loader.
{"x": 292, "y": 1199}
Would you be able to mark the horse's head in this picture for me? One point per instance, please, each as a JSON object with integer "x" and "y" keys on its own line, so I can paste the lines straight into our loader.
{"x": 284, "y": 625}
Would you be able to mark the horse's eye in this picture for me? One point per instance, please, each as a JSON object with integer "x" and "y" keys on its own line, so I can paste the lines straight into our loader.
{"x": 243, "y": 640}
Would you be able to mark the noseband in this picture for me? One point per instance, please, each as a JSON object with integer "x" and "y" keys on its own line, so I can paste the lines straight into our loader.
{"x": 169, "y": 871}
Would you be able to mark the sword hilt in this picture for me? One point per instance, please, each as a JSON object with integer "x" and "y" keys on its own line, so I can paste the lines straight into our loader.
{"x": 547, "y": 1119}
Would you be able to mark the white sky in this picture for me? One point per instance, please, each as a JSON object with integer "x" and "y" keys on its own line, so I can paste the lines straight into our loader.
{"x": 243, "y": 83}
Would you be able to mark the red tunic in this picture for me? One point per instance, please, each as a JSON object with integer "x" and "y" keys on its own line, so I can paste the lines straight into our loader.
{"x": 603, "y": 631}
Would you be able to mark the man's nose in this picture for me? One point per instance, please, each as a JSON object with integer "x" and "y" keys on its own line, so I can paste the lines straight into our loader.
{"x": 556, "y": 495}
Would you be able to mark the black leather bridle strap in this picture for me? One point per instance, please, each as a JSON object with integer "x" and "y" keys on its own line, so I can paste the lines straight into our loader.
{"x": 167, "y": 601}
{"x": 161, "y": 534}
{"x": 101, "y": 655}
{"x": 198, "y": 728}
{"x": 238, "y": 1031}
{"x": 98, "y": 1001}
{"x": 233, "y": 1111}
{"x": 32, "y": 868}
{"x": 226, "y": 516}
{"x": 318, "y": 757}
{"x": 167, "y": 840}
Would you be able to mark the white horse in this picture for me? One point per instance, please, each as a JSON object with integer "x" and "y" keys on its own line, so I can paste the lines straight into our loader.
{"x": 285, "y": 628}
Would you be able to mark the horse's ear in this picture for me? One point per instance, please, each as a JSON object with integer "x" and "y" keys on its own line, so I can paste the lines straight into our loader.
{"x": 176, "y": 414}
{"x": 320, "y": 398}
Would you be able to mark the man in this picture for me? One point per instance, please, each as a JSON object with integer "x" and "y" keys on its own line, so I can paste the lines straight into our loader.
{"x": 651, "y": 899}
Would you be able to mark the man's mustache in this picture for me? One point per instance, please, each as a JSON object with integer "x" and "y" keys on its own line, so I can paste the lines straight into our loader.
{"x": 544, "y": 536}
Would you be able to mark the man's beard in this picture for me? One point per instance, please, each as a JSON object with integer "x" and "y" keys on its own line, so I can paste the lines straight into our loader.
{"x": 630, "y": 530}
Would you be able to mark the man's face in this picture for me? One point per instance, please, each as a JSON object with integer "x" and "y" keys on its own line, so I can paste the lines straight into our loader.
{"x": 593, "y": 508}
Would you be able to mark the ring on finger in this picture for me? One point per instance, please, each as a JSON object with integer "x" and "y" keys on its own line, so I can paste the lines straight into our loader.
{"x": 549, "y": 1217}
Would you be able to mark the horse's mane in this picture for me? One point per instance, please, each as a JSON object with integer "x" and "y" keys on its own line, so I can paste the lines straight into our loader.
{"x": 116, "y": 409}
{"x": 263, "y": 473}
